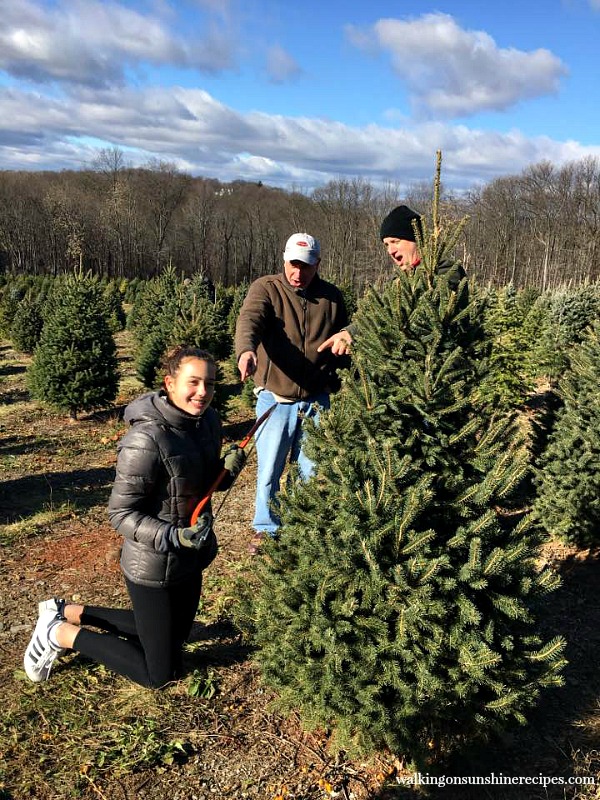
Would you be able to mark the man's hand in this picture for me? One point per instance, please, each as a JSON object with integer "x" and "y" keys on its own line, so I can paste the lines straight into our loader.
{"x": 234, "y": 460}
{"x": 339, "y": 343}
{"x": 196, "y": 535}
{"x": 247, "y": 364}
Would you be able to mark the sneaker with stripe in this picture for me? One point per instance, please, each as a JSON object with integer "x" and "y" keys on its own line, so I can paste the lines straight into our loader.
{"x": 41, "y": 654}
{"x": 56, "y": 604}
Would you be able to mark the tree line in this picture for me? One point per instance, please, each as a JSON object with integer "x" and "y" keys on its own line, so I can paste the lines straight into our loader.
{"x": 537, "y": 229}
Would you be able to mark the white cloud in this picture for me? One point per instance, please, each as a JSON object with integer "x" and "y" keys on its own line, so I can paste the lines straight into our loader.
{"x": 91, "y": 42}
{"x": 451, "y": 72}
{"x": 281, "y": 66}
{"x": 191, "y": 128}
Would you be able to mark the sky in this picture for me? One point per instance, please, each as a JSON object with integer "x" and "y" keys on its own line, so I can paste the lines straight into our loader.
{"x": 296, "y": 93}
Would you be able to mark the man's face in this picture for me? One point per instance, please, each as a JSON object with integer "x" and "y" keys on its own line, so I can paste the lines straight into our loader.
{"x": 299, "y": 274}
{"x": 403, "y": 253}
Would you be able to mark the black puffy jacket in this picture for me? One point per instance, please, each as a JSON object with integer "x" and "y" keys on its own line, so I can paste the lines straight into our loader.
{"x": 166, "y": 463}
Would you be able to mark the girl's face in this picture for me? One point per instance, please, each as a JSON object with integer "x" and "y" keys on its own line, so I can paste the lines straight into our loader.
{"x": 193, "y": 387}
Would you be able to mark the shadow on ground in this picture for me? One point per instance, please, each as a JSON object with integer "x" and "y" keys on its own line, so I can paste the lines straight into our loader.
{"x": 10, "y": 369}
{"x": 105, "y": 414}
{"x": 217, "y": 644}
{"x": 12, "y": 396}
{"x": 24, "y": 445}
{"x": 26, "y": 496}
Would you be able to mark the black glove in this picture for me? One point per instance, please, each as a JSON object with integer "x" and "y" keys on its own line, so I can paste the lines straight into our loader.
{"x": 234, "y": 460}
{"x": 195, "y": 536}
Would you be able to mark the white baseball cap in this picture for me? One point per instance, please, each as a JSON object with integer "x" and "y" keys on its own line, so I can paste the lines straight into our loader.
{"x": 302, "y": 247}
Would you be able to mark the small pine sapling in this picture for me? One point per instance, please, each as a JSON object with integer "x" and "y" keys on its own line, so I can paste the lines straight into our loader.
{"x": 75, "y": 363}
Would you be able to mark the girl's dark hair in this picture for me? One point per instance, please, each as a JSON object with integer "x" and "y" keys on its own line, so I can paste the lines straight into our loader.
{"x": 173, "y": 357}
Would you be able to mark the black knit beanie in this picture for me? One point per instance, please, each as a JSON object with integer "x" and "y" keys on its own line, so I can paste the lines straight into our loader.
{"x": 398, "y": 224}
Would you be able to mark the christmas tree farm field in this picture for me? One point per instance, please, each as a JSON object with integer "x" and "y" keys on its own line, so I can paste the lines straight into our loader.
{"x": 88, "y": 734}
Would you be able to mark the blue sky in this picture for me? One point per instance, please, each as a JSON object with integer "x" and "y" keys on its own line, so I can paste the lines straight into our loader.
{"x": 299, "y": 93}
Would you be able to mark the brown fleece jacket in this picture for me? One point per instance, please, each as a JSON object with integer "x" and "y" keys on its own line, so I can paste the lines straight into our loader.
{"x": 284, "y": 326}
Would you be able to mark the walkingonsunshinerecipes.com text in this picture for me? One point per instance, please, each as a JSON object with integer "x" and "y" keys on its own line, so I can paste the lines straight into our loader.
{"x": 498, "y": 779}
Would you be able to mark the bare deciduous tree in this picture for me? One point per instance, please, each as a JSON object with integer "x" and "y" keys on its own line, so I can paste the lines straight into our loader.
{"x": 540, "y": 228}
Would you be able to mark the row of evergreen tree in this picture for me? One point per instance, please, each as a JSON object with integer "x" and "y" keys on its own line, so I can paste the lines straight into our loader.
{"x": 531, "y": 332}
{"x": 540, "y": 347}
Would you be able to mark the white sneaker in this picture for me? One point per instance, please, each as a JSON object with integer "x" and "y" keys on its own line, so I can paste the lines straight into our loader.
{"x": 41, "y": 654}
{"x": 56, "y": 604}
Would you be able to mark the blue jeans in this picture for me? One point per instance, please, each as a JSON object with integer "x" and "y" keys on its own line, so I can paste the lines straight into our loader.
{"x": 280, "y": 436}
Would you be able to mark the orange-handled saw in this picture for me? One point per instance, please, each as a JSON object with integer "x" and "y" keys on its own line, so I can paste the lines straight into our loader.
{"x": 202, "y": 504}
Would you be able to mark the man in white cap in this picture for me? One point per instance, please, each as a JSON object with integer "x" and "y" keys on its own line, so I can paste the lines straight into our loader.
{"x": 282, "y": 321}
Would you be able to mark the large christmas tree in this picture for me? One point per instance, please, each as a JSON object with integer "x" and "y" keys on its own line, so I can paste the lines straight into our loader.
{"x": 399, "y": 604}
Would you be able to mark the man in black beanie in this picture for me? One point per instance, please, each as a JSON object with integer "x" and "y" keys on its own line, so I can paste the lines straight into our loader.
{"x": 398, "y": 232}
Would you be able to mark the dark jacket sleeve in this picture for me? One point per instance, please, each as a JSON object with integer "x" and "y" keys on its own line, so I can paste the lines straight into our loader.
{"x": 133, "y": 504}
{"x": 255, "y": 312}
{"x": 454, "y": 271}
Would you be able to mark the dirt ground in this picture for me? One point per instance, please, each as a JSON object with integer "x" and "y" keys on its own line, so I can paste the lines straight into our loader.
{"x": 237, "y": 746}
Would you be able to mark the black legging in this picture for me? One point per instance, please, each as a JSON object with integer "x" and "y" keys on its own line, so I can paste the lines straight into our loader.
{"x": 143, "y": 643}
